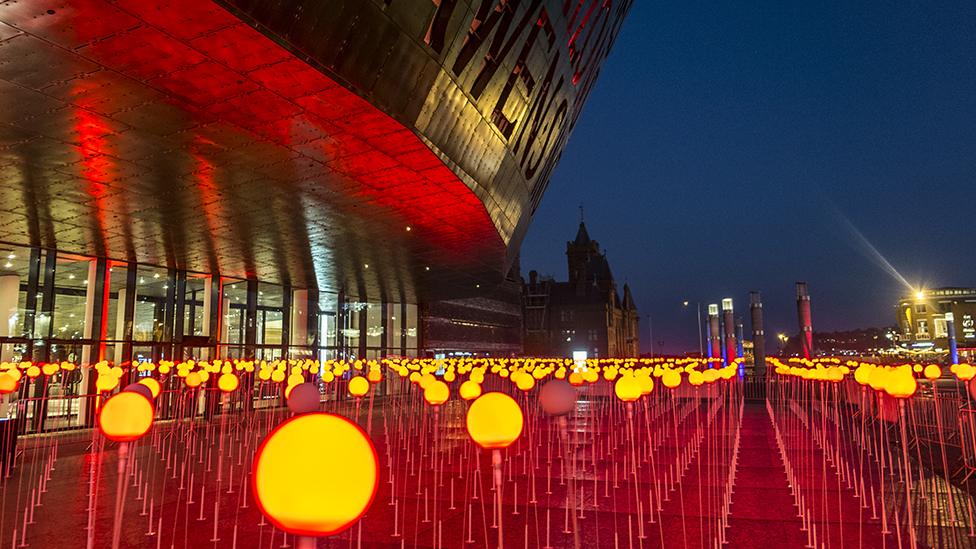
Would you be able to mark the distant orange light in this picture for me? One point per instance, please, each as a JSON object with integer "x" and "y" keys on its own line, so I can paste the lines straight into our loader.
{"x": 494, "y": 421}
{"x": 125, "y": 417}
{"x": 321, "y": 504}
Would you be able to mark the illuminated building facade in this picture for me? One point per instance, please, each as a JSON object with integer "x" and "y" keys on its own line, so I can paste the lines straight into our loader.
{"x": 586, "y": 314}
{"x": 241, "y": 178}
{"x": 924, "y": 320}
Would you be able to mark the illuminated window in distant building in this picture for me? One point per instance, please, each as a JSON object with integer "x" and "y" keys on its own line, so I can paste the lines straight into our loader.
{"x": 923, "y": 329}
{"x": 941, "y": 330}
{"x": 920, "y": 308}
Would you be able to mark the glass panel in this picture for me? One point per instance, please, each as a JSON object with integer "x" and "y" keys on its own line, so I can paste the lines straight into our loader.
{"x": 394, "y": 332}
{"x": 71, "y": 289}
{"x": 350, "y": 331}
{"x": 411, "y": 327}
{"x": 233, "y": 312}
{"x": 115, "y": 323}
{"x": 269, "y": 327}
{"x": 327, "y": 320}
{"x": 14, "y": 270}
{"x": 374, "y": 325}
{"x": 270, "y": 314}
{"x": 193, "y": 304}
{"x": 149, "y": 317}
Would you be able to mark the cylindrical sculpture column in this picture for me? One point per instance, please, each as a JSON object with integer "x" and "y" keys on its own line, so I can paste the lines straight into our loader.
{"x": 729, "y": 321}
{"x": 758, "y": 335}
{"x": 715, "y": 336}
{"x": 740, "y": 351}
{"x": 803, "y": 314}
{"x": 951, "y": 329}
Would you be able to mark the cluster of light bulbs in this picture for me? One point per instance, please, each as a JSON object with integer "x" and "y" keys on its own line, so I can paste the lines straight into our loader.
{"x": 897, "y": 380}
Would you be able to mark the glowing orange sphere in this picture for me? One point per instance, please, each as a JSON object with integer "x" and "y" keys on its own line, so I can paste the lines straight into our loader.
{"x": 525, "y": 382}
{"x": 901, "y": 385}
{"x": 315, "y": 504}
{"x": 193, "y": 380}
{"x": 154, "y": 386}
{"x": 470, "y": 390}
{"x": 965, "y": 371}
{"x": 8, "y": 384}
{"x": 228, "y": 383}
{"x": 436, "y": 393}
{"x": 374, "y": 376}
{"x": 932, "y": 371}
{"x": 494, "y": 421}
{"x": 358, "y": 386}
{"x": 126, "y": 416}
{"x": 671, "y": 379}
{"x": 627, "y": 388}
{"x": 646, "y": 384}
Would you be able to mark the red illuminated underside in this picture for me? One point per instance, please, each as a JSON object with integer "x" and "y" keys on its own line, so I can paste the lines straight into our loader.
{"x": 218, "y": 70}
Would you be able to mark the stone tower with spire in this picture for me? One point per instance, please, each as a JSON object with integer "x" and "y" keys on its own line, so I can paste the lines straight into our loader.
{"x": 586, "y": 313}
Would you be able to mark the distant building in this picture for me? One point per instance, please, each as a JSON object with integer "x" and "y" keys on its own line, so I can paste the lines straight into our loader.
{"x": 922, "y": 324}
{"x": 489, "y": 325}
{"x": 586, "y": 314}
{"x": 859, "y": 342}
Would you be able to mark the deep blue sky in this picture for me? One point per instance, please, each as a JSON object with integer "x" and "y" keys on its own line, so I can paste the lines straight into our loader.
{"x": 725, "y": 142}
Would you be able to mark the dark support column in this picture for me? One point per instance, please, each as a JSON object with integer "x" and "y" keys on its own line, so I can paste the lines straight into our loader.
{"x": 216, "y": 313}
{"x": 341, "y": 315}
{"x": 30, "y": 302}
{"x": 363, "y": 326}
{"x": 403, "y": 328}
{"x": 250, "y": 318}
{"x": 384, "y": 340}
{"x": 285, "y": 320}
{"x": 169, "y": 318}
{"x": 385, "y": 323}
{"x": 179, "y": 314}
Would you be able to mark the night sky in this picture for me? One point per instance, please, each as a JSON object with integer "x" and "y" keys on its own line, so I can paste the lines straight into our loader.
{"x": 737, "y": 146}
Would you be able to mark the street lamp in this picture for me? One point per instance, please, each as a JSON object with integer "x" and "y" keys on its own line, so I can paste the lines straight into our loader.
{"x": 783, "y": 339}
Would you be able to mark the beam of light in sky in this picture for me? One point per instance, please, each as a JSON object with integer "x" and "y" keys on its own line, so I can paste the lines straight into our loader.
{"x": 860, "y": 243}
